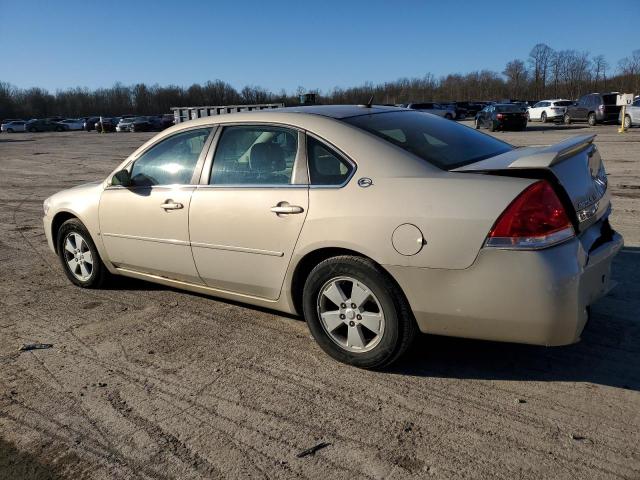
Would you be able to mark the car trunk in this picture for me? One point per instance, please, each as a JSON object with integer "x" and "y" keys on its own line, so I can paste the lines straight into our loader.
{"x": 574, "y": 168}
{"x": 511, "y": 117}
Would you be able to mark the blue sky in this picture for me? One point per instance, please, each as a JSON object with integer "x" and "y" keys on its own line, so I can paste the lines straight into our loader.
{"x": 286, "y": 44}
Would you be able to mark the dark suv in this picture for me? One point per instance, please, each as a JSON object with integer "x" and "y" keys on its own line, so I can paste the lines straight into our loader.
{"x": 593, "y": 108}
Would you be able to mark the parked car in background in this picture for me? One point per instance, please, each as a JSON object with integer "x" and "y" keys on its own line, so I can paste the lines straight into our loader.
{"x": 143, "y": 124}
{"x": 473, "y": 252}
{"x": 594, "y": 108}
{"x": 123, "y": 124}
{"x": 461, "y": 112}
{"x": 471, "y": 107}
{"x": 632, "y": 114}
{"x": 45, "y": 125}
{"x": 167, "y": 120}
{"x": 434, "y": 108}
{"x": 73, "y": 123}
{"x": 13, "y": 126}
{"x": 90, "y": 123}
{"x": 502, "y": 116}
{"x": 108, "y": 124}
{"x": 548, "y": 110}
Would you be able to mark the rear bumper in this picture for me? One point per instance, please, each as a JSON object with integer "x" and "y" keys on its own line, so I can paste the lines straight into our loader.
{"x": 534, "y": 297}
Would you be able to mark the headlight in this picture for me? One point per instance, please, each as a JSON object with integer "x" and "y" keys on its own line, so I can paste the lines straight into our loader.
{"x": 46, "y": 205}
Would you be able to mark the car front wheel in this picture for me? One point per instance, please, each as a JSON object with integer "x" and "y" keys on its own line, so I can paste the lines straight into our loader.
{"x": 79, "y": 256}
{"x": 356, "y": 312}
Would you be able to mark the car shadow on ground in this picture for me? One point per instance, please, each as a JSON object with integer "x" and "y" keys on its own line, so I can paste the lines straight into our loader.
{"x": 543, "y": 127}
{"x": 14, "y": 140}
{"x": 608, "y": 353}
{"x": 18, "y": 465}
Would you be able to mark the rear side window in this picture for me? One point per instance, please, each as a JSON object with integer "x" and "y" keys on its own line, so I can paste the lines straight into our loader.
{"x": 442, "y": 143}
{"x": 254, "y": 155}
{"x": 326, "y": 166}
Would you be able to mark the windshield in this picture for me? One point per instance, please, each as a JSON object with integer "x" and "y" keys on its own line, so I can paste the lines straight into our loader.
{"x": 563, "y": 103}
{"x": 443, "y": 143}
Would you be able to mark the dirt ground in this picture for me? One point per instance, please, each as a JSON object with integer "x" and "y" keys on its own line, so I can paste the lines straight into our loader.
{"x": 149, "y": 382}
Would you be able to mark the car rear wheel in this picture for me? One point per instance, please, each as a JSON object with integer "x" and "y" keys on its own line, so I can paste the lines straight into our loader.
{"x": 477, "y": 124}
{"x": 592, "y": 119}
{"x": 79, "y": 257}
{"x": 356, "y": 312}
{"x": 627, "y": 122}
{"x": 492, "y": 126}
{"x": 543, "y": 117}
{"x": 9, "y": 130}
{"x": 448, "y": 116}
{"x": 567, "y": 118}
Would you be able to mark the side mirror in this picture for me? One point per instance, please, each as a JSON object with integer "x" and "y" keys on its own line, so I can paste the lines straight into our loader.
{"x": 121, "y": 177}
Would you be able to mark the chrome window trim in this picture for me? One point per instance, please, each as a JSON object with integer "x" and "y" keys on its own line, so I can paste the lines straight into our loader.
{"x": 253, "y": 186}
{"x": 296, "y": 171}
{"x": 339, "y": 152}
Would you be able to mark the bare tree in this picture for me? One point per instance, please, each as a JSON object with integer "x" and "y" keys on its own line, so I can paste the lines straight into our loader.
{"x": 599, "y": 66}
{"x": 629, "y": 70}
{"x": 516, "y": 73}
{"x": 540, "y": 59}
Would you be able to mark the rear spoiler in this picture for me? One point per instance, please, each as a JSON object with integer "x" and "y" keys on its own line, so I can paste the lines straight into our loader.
{"x": 532, "y": 157}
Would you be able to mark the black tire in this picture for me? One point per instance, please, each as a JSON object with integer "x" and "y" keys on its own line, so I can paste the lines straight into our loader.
{"x": 626, "y": 123}
{"x": 448, "y": 116}
{"x": 31, "y": 130}
{"x": 9, "y": 130}
{"x": 399, "y": 325}
{"x": 59, "y": 129}
{"x": 492, "y": 126}
{"x": 591, "y": 119}
{"x": 543, "y": 117}
{"x": 477, "y": 124}
{"x": 567, "y": 119}
{"x": 99, "y": 273}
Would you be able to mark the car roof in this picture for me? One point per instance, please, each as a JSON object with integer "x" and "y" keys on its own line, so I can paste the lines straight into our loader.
{"x": 337, "y": 111}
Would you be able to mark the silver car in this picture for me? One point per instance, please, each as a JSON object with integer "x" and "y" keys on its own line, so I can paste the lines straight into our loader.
{"x": 632, "y": 114}
{"x": 372, "y": 222}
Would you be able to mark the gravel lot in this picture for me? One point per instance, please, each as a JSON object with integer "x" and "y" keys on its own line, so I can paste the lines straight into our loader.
{"x": 149, "y": 382}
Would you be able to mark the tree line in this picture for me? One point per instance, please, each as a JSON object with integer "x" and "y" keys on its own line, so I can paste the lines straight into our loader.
{"x": 545, "y": 73}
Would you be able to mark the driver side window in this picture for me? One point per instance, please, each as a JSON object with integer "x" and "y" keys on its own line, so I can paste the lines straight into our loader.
{"x": 170, "y": 162}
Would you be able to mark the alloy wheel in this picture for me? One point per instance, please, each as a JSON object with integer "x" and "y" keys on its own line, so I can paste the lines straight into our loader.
{"x": 78, "y": 256}
{"x": 351, "y": 314}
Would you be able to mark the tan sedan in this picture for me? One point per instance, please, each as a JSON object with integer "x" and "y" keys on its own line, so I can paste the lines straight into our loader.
{"x": 372, "y": 222}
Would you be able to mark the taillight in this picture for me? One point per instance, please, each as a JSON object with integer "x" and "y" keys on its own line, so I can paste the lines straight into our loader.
{"x": 499, "y": 116}
{"x": 601, "y": 108}
{"x": 535, "y": 219}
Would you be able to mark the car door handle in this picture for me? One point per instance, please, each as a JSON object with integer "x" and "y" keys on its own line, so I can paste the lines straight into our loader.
{"x": 170, "y": 205}
{"x": 287, "y": 209}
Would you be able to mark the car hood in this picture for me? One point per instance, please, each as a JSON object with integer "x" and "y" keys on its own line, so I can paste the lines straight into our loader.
{"x": 65, "y": 198}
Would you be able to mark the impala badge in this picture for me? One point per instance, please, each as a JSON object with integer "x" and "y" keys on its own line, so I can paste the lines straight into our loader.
{"x": 365, "y": 182}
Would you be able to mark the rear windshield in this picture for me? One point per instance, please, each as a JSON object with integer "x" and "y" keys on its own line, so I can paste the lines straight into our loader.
{"x": 609, "y": 99}
{"x": 443, "y": 143}
{"x": 515, "y": 108}
{"x": 563, "y": 103}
